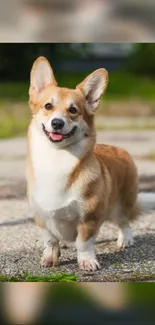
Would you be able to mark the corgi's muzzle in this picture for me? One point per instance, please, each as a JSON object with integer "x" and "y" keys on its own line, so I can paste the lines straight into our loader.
{"x": 58, "y": 136}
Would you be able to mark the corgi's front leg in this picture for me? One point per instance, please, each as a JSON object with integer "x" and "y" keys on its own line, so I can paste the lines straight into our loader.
{"x": 51, "y": 251}
{"x": 85, "y": 247}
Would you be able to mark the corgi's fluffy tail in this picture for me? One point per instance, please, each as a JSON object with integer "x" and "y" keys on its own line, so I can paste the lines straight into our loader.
{"x": 146, "y": 202}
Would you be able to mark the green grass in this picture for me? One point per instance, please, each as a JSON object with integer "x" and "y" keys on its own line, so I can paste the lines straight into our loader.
{"x": 117, "y": 265}
{"x": 151, "y": 156}
{"x": 125, "y": 85}
{"x": 62, "y": 277}
{"x": 14, "y": 119}
{"x": 142, "y": 294}
{"x": 121, "y": 85}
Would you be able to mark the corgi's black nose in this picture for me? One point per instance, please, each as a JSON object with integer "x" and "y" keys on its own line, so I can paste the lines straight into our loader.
{"x": 57, "y": 124}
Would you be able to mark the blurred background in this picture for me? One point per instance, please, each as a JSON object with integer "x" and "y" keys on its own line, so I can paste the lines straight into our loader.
{"x": 130, "y": 96}
{"x": 77, "y": 21}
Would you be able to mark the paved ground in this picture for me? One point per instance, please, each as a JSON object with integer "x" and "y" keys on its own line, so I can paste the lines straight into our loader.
{"x": 20, "y": 241}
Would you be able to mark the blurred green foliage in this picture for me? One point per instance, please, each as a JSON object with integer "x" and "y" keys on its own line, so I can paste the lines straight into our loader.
{"x": 134, "y": 80}
{"x": 141, "y": 294}
{"x": 70, "y": 294}
{"x": 121, "y": 85}
{"x": 14, "y": 118}
{"x": 142, "y": 59}
{"x": 16, "y": 59}
{"x": 14, "y": 109}
{"x": 138, "y": 294}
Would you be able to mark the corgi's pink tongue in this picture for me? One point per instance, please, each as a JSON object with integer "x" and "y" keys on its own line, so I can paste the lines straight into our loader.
{"x": 56, "y": 136}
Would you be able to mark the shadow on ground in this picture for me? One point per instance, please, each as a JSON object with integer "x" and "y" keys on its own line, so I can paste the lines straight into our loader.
{"x": 136, "y": 263}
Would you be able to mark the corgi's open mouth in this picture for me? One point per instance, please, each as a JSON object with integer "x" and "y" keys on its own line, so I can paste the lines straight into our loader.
{"x": 58, "y": 137}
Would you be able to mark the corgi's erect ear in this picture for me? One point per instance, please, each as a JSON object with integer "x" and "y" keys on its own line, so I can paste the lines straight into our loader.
{"x": 93, "y": 87}
{"x": 41, "y": 75}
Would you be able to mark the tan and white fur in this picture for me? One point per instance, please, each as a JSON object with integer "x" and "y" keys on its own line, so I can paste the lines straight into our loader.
{"x": 75, "y": 185}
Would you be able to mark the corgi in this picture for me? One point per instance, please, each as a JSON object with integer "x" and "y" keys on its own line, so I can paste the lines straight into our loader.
{"x": 74, "y": 184}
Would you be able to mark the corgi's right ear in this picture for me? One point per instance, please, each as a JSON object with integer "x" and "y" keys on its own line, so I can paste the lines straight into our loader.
{"x": 93, "y": 88}
{"x": 41, "y": 75}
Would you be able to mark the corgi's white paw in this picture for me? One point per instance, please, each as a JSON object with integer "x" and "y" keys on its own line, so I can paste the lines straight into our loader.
{"x": 50, "y": 257}
{"x": 86, "y": 255}
{"x": 46, "y": 262}
{"x": 89, "y": 265}
{"x": 125, "y": 238}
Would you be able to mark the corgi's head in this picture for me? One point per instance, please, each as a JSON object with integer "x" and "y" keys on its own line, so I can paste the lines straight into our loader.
{"x": 64, "y": 115}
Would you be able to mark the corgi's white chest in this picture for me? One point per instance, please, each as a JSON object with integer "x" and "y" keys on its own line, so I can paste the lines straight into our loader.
{"x": 51, "y": 169}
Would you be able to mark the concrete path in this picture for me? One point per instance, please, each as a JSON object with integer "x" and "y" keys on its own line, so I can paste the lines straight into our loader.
{"x": 20, "y": 241}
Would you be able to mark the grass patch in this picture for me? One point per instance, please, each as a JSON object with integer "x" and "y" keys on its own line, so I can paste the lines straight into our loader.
{"x": 62, "y": 277}
{"x": 14, "y": 119}
{"x": 125, "y": 85}
{"x": 121, "y": 85}
{"x": 151, "y": 156}
{"x": 117, "y": 265}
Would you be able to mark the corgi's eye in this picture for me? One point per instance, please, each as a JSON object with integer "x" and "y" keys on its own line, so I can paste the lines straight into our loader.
{"x": 48, "y": 106}
{"x": 72, "y": 110}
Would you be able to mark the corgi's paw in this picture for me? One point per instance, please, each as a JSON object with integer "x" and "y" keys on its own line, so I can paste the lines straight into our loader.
{"x": 125, "y": 238}
{"x": 89, "y": 265}
{"x": 50, "y": 257}
{"x": 46, "y": 262}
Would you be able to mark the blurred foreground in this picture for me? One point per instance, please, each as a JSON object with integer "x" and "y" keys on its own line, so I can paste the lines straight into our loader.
{"x": 77, "y": 304}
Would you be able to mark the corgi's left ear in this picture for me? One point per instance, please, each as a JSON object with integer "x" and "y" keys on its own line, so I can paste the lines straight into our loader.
{"x": 41, "y": 75}
{"x": 93, "y": 87}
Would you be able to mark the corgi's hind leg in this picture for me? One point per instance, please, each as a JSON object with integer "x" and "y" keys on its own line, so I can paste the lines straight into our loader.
{"x": 129, "y": 214}
{"x": 128, "y": 209}
{"x": 121, "y": 217}
{"x": 125, "y": 237}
